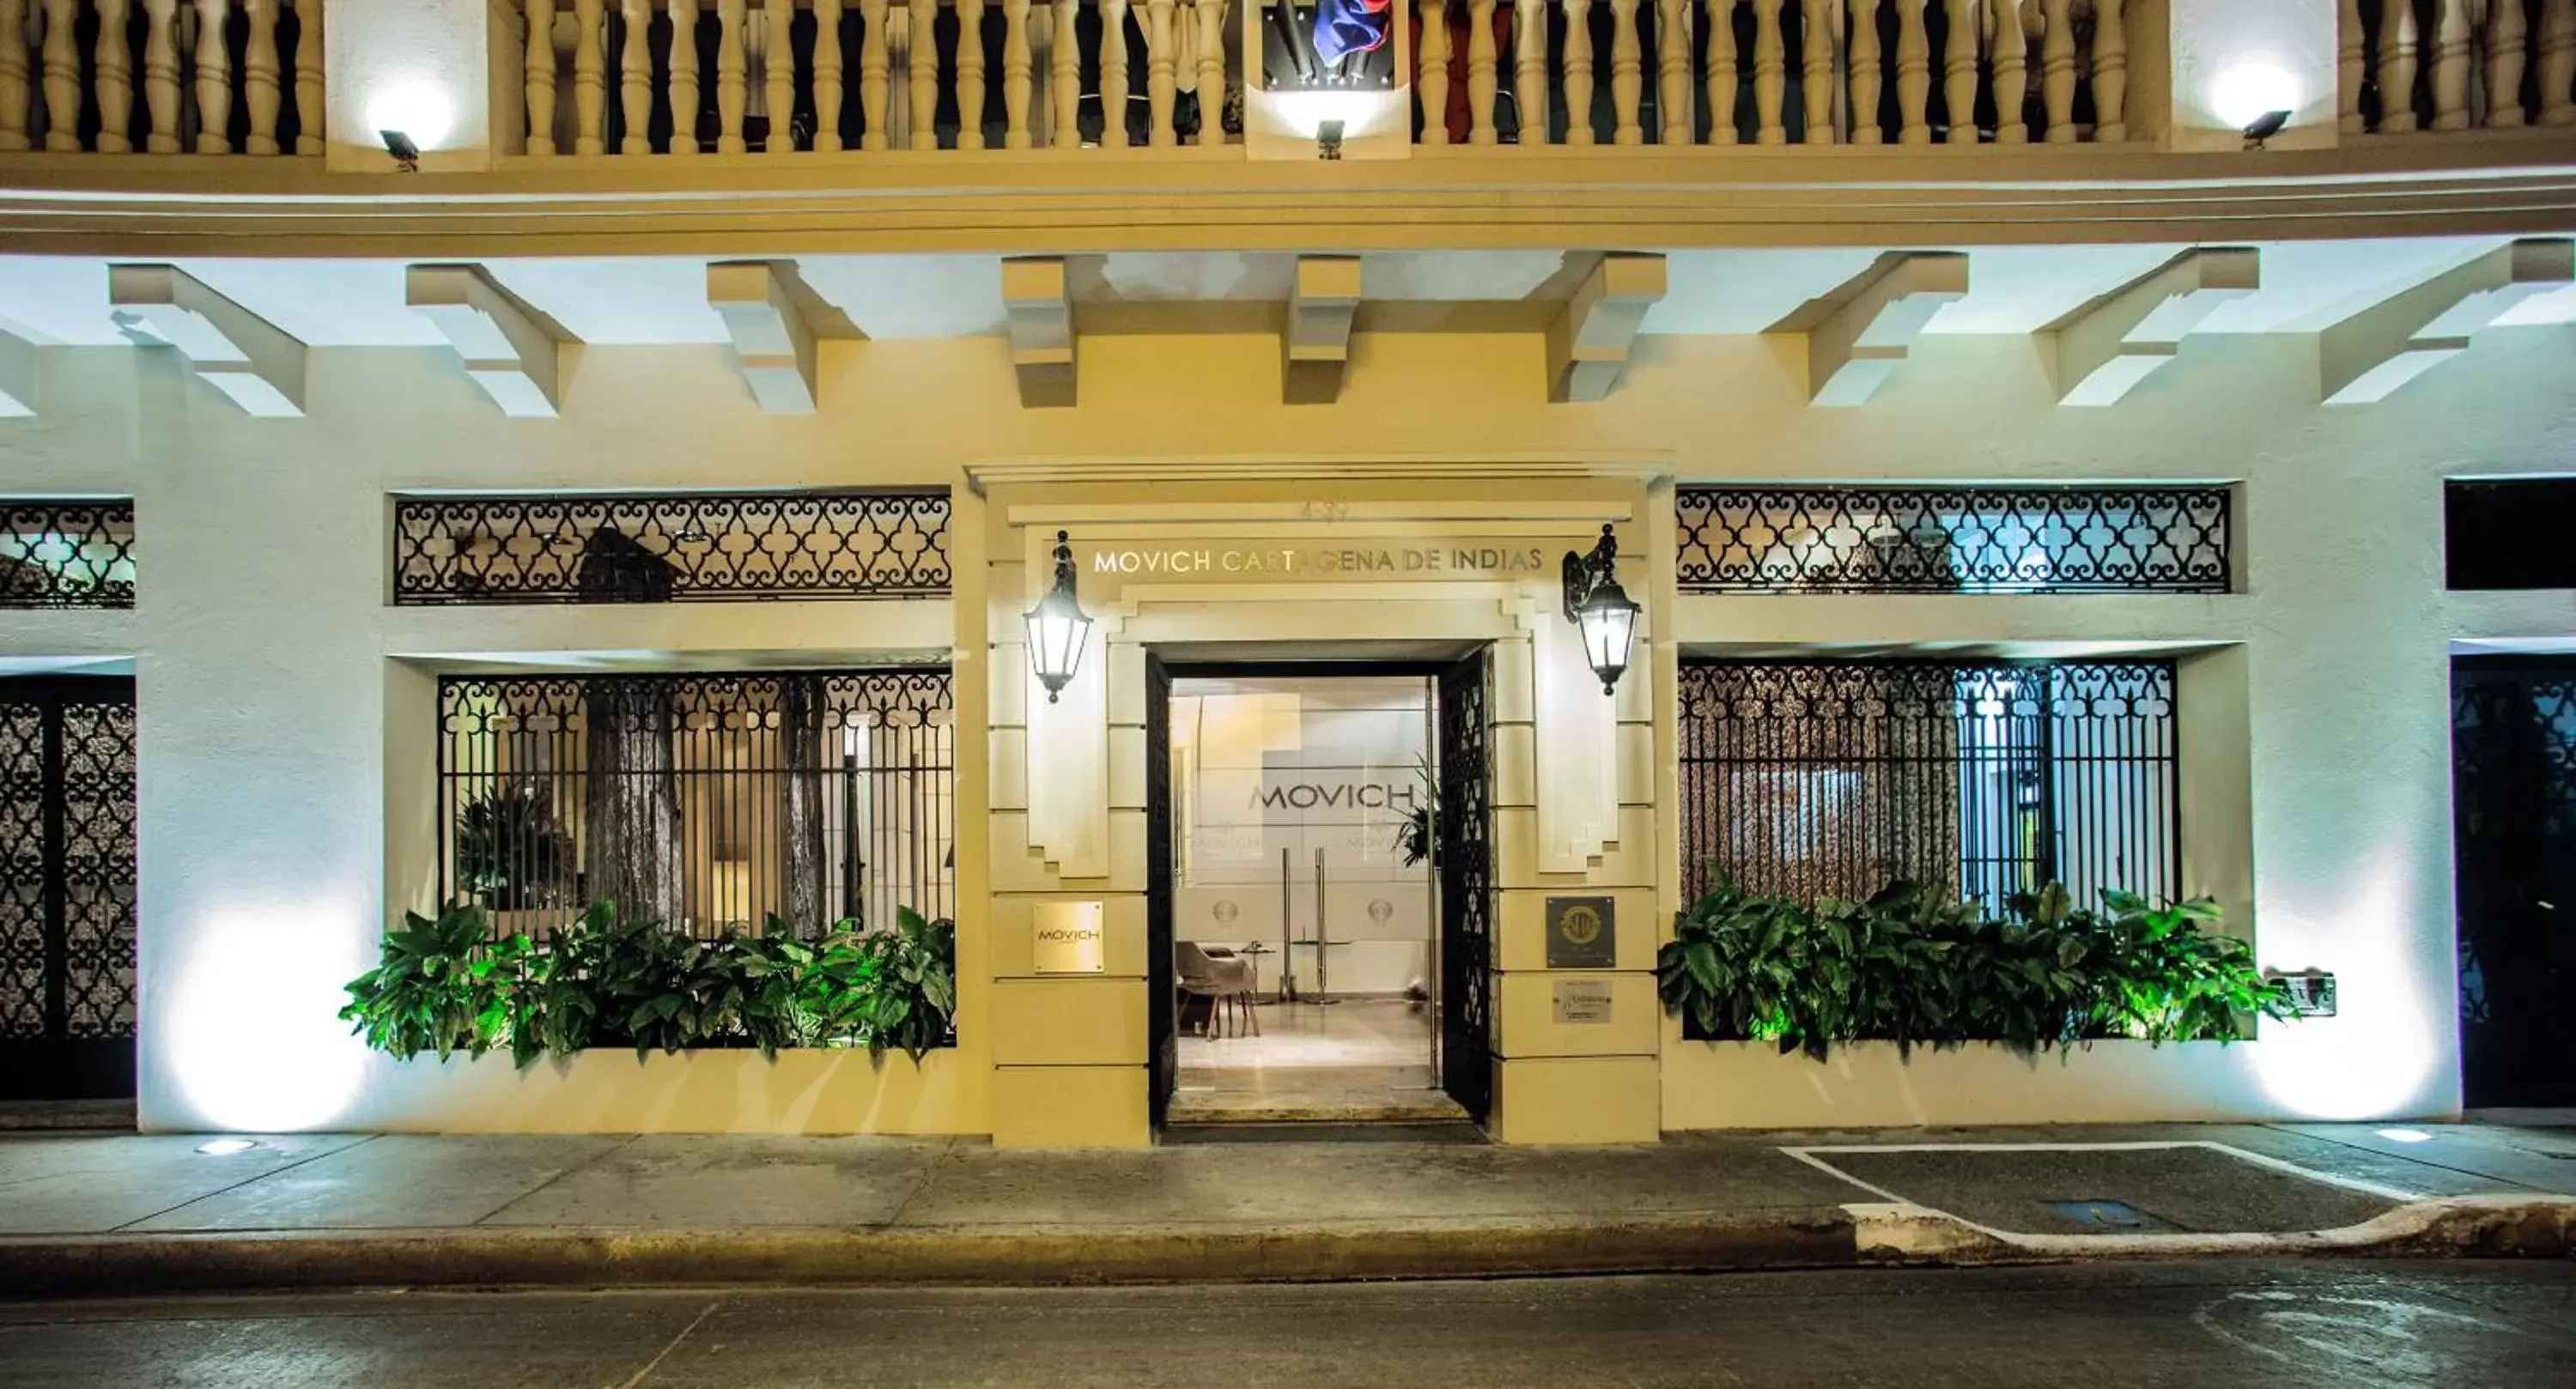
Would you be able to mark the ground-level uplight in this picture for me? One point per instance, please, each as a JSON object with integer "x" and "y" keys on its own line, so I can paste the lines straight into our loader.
{"x": 226, "y": 1147}
{"x": 2405, "y": 1135}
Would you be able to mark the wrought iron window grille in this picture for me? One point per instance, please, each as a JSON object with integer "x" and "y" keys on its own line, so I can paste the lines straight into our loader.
{"x": 705, "y": 801}
{"x": 1954, "y": 539}
{"x": 1834, "y": 778}
{"x": 669, "y": 547}
{"x": 66, "y": 552}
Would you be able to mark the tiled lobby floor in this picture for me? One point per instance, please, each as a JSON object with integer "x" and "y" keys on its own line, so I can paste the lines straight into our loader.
{"x": 1356, "y": 1058}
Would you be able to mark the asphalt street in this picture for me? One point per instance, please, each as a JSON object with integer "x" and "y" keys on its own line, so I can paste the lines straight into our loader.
{"x": 2280, "y": 1324}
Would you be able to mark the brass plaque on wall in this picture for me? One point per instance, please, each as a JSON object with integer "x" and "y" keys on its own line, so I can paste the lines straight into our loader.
{"x": 1068, "y": 939}
{"x": 1582, "y": 933}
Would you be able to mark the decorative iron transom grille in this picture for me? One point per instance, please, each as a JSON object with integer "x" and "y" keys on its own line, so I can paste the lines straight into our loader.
{"x": 1835, "y": 778}
{"x": 66, "y": 553}
{"x": 679, "y": 547}
{"x": 1953, "y": 539}
{"x": 703, "y": 801}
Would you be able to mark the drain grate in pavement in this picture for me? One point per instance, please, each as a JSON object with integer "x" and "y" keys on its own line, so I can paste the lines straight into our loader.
{"x": 2110, "y": 1217}
{"x": 2197, "y": 1188}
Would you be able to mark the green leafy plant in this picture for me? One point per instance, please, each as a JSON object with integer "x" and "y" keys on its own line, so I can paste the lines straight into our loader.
{"x": 600, "y": 981}
{"x": 1917, "y": 967}
{"x": 437, "y": 987}
{"x": 1417, "y": 835}
{"x": 914, "y": 976}
{"x": 511, "y": 850}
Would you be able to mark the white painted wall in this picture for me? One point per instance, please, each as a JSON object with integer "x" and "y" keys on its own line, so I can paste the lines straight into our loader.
{"x": 276, "y": 707}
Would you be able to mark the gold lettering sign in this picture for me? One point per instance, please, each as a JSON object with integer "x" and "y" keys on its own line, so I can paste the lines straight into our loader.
{"x": 1318, "y": 561}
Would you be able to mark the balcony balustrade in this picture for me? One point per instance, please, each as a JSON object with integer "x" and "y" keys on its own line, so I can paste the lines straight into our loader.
{"x": 778, "y": 77}
{"x": 218, "y": 76}
{"x": 2415, "y": 66}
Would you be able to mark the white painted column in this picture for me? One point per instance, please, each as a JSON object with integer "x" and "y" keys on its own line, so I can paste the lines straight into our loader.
{"x": 446, "y": 71}
{"x": 261, "y": 700}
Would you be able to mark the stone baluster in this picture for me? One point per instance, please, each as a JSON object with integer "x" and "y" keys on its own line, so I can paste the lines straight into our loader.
{"x": 589, "y": 94}
{"x": 262, "y": 91}
{"x": 685, "y": 94}
{"x": 1160, "y": 76}
{"x": 732, "y": 77}
{"x": 214, "y": 80}
{"x": 1482, "y": 83}
{"x": 1866, "y": 82}
{"x": 2558, "y": 63}
{"x": 635, "y": 76}
{"x": 539, "y": 71}
{"x": 2397, "y": 69}
{"x": 62, "y": 84}
{"x": 160, "y": 75}
{"x": 1627, "y": 74}
{"x": 1673, "y": 95}
{"x": 1959, "y": 74}
{"x": 2508, "y": 30}
{"x": 1211, "y": 50}
{"x": 115, "y": 77}
{"x": 1432, "y": 71}
{"x": 2451, "y": 48}
{"x": 1721, "y": 73}
{"x": 2009, "y": 46}
{"x": 1015, "y": 74}
{"x": 1529, "y": 72}
{"x": 970, "y": 74}
{"x": 1914, "y": 73}
{"x": 2351, "y": 63}
{"x": 873, "y": 50}
{"x": 2110, "y": 72}
{"x": 1578, "y": 72}
{"x": 1770, "y": 77}
{"x": 1823, "y": 35}
{"x": 778, "y": 74}
{"x": 1115, "y": 89}
{"x": 308, "y": 76}
{"x": 1041, "y": 74}
{"x": 828, "y": 94}
{"x": 13, "y": 74}
{"x": 2057, "y": 70}
{"x": 1065, "y": 83}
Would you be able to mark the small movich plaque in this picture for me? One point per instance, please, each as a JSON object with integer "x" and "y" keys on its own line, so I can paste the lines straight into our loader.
{"x": 1582, "y": 1000}
{"x": 1068, "y": 939}
{"x": 1582, "y": 933}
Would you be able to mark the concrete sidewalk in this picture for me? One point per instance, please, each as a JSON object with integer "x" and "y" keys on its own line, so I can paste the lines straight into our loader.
{"x": 88, "y": 1214}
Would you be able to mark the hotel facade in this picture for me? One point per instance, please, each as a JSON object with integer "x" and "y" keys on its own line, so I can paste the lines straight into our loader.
{"x": 2021, "y": 471}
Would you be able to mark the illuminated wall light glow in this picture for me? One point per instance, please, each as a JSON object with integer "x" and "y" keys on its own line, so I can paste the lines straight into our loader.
{"x": 253, "y": 1035}
{"x": 2248, "y": 90}
{"x": 2380, "y": 1057}
{"x": 1361, "y": 113}
{"x": 420, "y": 110}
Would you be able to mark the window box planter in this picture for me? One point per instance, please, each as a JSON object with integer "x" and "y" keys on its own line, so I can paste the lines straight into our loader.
{"x": 837, "y": 1090}
{"x": 1750, "y": 1085}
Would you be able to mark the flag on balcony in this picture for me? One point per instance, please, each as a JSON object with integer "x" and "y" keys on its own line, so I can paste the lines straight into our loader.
{"x": 1345, "y": 27}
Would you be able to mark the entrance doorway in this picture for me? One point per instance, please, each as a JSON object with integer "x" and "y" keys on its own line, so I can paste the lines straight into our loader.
{"x": 2513, "y": 802}
{"x": 67, "y": 887}
{"x": 1317, "y": 904}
